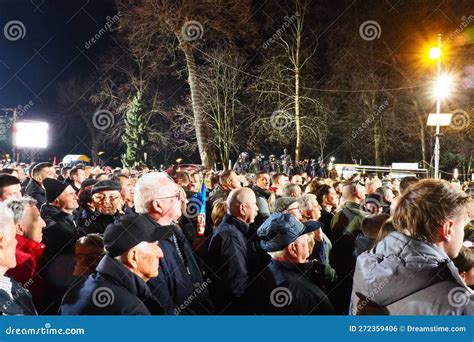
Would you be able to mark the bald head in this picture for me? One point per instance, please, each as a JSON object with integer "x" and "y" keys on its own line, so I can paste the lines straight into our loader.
{"x": 242, "y": 204}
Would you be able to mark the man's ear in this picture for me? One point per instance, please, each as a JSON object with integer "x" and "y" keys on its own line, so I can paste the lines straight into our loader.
{"x": 447, "y": 230}
{"x": 130, "y": 259}
{"x": 156, "y": 207}
{"x": 19, "y": 229}
{"x": 463, "y": 275}
{"x": 291, "y": 250}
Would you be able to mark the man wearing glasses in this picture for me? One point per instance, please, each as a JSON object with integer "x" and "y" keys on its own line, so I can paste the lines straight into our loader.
{"x": 179, "y": 286}
{"x": 107, "y": 202}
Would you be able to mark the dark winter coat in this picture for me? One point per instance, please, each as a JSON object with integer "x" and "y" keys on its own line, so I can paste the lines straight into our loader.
{"x": 286, "y": 288}
{"x": 405, "y": 276}
{"x": 57, "y": 262}
{"x": 111, "y": 290}
{"x": 34, "y": 190}
{"x": 180, "y": 286}
{"x": 235, "y": 258}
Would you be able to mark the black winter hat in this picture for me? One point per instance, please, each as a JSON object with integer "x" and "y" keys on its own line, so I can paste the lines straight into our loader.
{"x": 129, "y": 230}
{"x": 105, "y": 185}
{"x": 54, "y": 189}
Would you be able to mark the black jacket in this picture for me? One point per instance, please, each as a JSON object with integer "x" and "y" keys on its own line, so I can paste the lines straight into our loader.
{"x": 285, "y": 288}
{"x": 96, "y": 223}
{"x": 111, "y": 290}
{"x": 34, "y": 190}
{"x": 20, "y": 301}
{"x": 180, "y": 286}
{"x": 57, "y": 262}
{"x": 235, "y": 259}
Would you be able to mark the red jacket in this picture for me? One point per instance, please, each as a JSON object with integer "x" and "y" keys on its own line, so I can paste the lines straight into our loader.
{"x": 28, "y": 254}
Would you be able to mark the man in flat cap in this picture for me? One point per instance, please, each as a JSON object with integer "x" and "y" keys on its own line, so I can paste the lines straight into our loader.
{"x": 287, "y": 286}
{"x": 107, "y": 202}
{"x": 118, "y": 287}
{"x": 59, "y": 236}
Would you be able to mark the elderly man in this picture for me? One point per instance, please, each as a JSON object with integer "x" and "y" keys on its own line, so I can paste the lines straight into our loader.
{"x": 287, "y": 284}
{"x": 107, "y": 202}
{"x": 60, "y": 236}
{"x": 29, "y": 234}
{"x": 10, "y": 187}
{"x": 14, "y": 299}
{"x": 160, "y": 199}
{"x": 234, "y": 256}
{"x": 410, "y": 272}
{"x": 35, "y": 187}
{"x": 118, "y": 287}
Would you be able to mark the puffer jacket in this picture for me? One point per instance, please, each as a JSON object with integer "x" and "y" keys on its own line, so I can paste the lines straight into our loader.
{"x": 405, "y": 276}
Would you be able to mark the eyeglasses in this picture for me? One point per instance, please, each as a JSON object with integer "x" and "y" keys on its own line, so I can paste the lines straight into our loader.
{"x": 102, "y": 197}
{"x": 178, "y": 195}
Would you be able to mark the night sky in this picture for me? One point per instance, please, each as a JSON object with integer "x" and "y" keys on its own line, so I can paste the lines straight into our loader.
{"x": 51, "y": 48}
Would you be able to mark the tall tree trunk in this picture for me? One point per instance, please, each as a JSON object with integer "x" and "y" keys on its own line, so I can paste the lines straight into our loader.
{"x": 378, "y": 142}
{"x": 202, "y": 135}
{"x": 422, "y": 132}
{"x": 299, "y": 27}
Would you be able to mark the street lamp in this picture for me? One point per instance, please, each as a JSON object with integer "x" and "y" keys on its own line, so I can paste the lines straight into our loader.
{"x": 441, "y": 91}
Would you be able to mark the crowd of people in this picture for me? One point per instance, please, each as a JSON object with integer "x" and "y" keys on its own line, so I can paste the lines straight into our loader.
{"x": 88, "y": 240}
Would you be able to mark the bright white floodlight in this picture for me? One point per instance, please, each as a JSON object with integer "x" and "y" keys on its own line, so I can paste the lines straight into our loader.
{"x": 31, "y": 134}
{"x": 443, "y": 86}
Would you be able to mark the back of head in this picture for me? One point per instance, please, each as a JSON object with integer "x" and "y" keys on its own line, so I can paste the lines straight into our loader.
{"x": 465, "y": 260}
{"x": 148, "y": 188}
{"x": 225, "y": 177}
{"x": 237, "y": 197}
{"x": 219, "y": 209}
{"x": 423, "y": 209}
{"x": 406, "y": 182}
{"x": 291, "y": 190}
{"x": 182, "y": 178}
{"x": 372, "y": 224}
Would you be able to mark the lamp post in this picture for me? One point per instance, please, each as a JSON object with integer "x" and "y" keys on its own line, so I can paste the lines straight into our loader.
{"x": 438, "y": 119}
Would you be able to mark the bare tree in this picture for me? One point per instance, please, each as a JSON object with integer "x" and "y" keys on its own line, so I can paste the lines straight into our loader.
{"x": 183, "y": 25}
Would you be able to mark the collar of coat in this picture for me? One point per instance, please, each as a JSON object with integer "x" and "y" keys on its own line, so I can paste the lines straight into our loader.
{"x": 237, "y": 223}
{"x": 306, "y": 269}
{"x": 117, "y": 273}
{"x": 29, "y": 246}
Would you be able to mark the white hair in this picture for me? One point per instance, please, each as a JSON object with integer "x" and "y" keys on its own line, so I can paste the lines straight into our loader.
{"x": 147, "y": 189}
{"x": 307, "y": 201}
{"x": 18, "y": 205}
{"x": 6, "y": 219}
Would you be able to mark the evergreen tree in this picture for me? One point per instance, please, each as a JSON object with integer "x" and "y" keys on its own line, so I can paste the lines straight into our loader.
{"x": 134, "y": 136}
